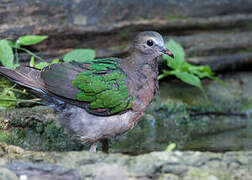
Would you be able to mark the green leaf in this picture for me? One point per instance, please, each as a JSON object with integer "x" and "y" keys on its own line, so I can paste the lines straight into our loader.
{"x": 190, "y": 79}
{"x": 42, "y": 65}
{"x": 55, "y": 61}
{"x": 16, "y": 65}
{"x": 10, "y": 43}
{"x": 200, "y": 71}
{"x": 204, "y": 71}
{"x": 185, "y": 67}
{"x": 170, "y": 147}
{"x": 32, "y": 61}
{"x": 6, "y": 54}
{"x": 178, "y": 52}
{"x": 45, "y": 64}
{"x": 8, "y": 98}
{"x": 79, "y": 55}
{"x": 30, "y": 40}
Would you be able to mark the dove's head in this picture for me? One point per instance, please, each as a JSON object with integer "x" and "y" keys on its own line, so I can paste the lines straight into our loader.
{"x": 151, "y": 43}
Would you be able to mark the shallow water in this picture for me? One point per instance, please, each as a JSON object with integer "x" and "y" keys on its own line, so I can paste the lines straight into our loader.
{"x": 180, "y": 114}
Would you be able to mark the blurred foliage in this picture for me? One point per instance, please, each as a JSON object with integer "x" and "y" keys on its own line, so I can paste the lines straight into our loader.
{"x": 79, "y": 55}
{"x": 170, "y": 147}
{"x": 124, "y": 34}
{"x": 11, "y": 96}
{"x": 184, "y": 71}
{"x": 7, "y": 47}
{"x": 6, "y": 54}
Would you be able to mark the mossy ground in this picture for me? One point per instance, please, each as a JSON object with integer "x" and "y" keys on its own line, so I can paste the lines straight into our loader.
{"x": 34, "y": 129}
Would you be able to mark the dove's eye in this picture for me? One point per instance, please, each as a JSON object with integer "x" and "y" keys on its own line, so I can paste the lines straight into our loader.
{"x": 149, "y": 42}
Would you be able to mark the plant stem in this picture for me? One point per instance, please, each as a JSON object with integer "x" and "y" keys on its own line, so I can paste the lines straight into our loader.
{"x": 16, "y": 54}
{"x": 29, "y": 52}
{"x": 18, "y": 91}
{"x": 21, "y": 100}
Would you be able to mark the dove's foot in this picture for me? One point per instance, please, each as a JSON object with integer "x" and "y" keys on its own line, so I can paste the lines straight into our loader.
{"x": 105, "y": 145}
{"x": 93, "y": 147}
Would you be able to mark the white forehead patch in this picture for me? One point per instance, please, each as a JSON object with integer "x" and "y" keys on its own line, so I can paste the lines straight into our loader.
{"x": 156, "y": 40}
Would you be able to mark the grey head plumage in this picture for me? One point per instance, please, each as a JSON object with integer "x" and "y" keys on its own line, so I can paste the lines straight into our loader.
{"x": 150, "y": 43}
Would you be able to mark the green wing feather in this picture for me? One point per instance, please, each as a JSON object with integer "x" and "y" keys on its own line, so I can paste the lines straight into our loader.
{"x": 103, "y": 86}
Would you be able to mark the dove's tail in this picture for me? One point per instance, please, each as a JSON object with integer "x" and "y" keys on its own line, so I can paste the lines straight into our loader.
{"x": 24, "y": 76}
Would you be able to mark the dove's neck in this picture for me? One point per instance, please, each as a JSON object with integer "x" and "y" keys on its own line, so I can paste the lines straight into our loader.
{"x": 142, "y": 72}
{"x": 137, "y": 60}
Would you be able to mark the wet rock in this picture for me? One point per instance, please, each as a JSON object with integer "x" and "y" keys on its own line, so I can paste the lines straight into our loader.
{"x": 10, "y": 149}
{"x": 36, "y": 171}
{"x": 155, "y": 165}
{"x": 107, "y": 172}
{"x": 25, "y": 117}
{"x": 168, "y": 177}
{"x": 35, "y": 129}
{"x": 6, "y": 174}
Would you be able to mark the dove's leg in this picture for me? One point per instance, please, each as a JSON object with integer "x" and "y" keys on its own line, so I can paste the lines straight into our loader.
{"x": 93, "y": 147}
{"x": 105, "y": 145}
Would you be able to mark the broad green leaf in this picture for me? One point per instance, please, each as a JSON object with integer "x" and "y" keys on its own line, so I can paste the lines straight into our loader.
{"x": 16, "y": 65}
{"x": 200, "y": 71}
{"x": 32, "y": 63}
{"x": 170, "y": 147}
{"x": 204, "y": 71}
{"x": 55, "y": 61}
{"x": 79, "y": 55}
{"x": 185, "y": 67}
{"x": 42, "y": 65}
{"x": 201, "y": 74}
{"x": 190, "y": 79}
{"x": 6, "y": 54}
{"x": 30, "y": 40}
{"x": 178, "y": 52}
{"x": 10, "y": 43}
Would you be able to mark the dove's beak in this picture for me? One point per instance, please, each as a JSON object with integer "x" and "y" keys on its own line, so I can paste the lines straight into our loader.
{"x": 166, "y": 51}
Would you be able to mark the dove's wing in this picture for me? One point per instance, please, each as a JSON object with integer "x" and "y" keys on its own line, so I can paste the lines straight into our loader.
{"x": 98, "y": 85}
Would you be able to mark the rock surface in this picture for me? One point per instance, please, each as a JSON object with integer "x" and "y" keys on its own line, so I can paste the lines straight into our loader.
{"x": 16, "y": 163}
